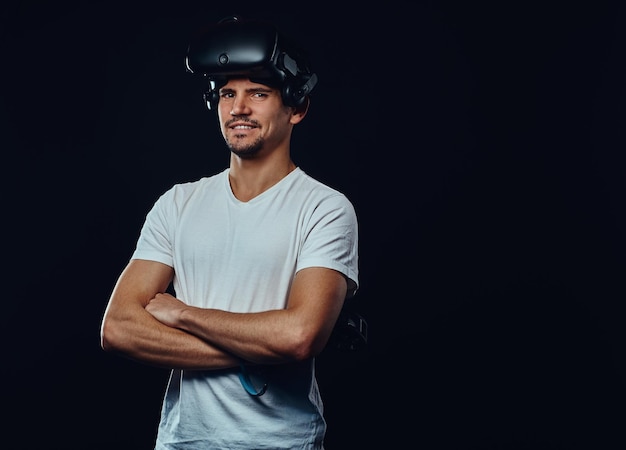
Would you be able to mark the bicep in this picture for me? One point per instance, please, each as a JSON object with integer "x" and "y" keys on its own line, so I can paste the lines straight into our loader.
{"x": 140, "y": 281}
{"x": 317, "y": 296}
{"x": 125, "y": 313}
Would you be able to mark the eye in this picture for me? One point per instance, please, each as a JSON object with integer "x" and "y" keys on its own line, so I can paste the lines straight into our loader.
{"x": 259, "y": 95}
{"x": 226, "y": 94}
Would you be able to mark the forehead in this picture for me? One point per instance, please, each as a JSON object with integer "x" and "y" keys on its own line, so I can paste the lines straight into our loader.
{"x": 246, "y": 83}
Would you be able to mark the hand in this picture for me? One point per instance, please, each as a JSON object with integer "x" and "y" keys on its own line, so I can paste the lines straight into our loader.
{"x": 166, "y": 308}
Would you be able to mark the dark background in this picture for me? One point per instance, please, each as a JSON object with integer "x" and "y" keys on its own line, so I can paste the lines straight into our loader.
{"x": 482, "y": 144}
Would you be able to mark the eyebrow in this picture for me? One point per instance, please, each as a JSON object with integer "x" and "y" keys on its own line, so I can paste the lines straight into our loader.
{"x": 251, "y": 90}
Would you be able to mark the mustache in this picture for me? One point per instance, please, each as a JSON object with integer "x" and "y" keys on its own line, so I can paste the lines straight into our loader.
{"x": 241, "y": 120}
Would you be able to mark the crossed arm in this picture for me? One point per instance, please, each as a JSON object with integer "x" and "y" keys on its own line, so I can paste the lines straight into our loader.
{"x": 144, "y": 323}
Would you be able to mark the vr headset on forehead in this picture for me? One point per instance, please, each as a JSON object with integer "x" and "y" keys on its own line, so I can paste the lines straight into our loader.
{"x": 254, "y": 49}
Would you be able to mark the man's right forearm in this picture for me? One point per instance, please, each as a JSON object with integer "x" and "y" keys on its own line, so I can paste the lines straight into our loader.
{"x": 147, "y": 340}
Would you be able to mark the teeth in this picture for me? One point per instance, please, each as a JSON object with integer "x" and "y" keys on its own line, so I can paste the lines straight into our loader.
{"x": 243, "y": 127}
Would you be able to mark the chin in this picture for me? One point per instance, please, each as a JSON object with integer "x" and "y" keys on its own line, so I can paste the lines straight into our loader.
{"x": 247, "y": 151}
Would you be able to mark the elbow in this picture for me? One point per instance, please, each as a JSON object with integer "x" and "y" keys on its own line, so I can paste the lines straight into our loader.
{"x": 303, "y": 344}
{"x": 105, "y": 340}
{"x": 108, "y": 333}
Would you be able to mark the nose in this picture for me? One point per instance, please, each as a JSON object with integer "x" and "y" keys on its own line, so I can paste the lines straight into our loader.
{"x": 239, "y": 106}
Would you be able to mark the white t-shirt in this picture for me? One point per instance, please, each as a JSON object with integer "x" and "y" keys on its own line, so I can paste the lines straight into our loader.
{"x": 242, "y": 257}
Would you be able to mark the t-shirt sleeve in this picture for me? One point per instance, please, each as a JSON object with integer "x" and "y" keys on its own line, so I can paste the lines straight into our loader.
{"x": 155, "y": 239}
{"x": 332, "y": 240}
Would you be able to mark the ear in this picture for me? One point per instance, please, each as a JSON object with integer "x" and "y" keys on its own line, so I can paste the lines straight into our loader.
{"x": 299, "y": 112}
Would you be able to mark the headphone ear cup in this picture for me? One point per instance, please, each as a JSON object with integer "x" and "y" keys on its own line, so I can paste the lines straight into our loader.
{"x": 212, "y": 98}
{"x": 292, "y": 94}
{"x": 296, "y": 90}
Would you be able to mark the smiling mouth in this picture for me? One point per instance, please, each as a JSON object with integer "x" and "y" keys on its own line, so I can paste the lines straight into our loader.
{"x": 238, "y": 123}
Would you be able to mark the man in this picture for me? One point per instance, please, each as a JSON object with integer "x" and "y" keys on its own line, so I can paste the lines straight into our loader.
{"x": 260, "y": 256}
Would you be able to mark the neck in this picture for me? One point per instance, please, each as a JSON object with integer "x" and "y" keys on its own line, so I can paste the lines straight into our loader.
{"x": 249, "y": 178}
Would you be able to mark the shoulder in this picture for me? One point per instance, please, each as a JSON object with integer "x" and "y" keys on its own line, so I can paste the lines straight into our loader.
{"x": 309, "y": 184}
{"x": 174, "y": 199}
{"x": 187, "y": 189}
{"x": 322, "y": 198}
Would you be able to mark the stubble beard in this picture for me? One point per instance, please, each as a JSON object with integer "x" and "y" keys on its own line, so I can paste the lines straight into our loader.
{"x": 248, "y": 151}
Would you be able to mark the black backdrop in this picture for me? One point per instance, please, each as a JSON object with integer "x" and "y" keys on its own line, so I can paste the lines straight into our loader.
{"x": 481, "y": 143}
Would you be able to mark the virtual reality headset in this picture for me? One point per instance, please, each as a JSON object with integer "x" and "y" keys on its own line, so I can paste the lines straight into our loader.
{"x": 254, "y": 49}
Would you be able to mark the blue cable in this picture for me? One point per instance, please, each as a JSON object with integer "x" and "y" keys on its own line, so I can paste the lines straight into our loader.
{"x": 248, "y": 385}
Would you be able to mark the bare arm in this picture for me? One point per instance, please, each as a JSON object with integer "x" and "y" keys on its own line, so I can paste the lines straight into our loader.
{"x": 298, "y": 332}
{"x": 128, "y": 329}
